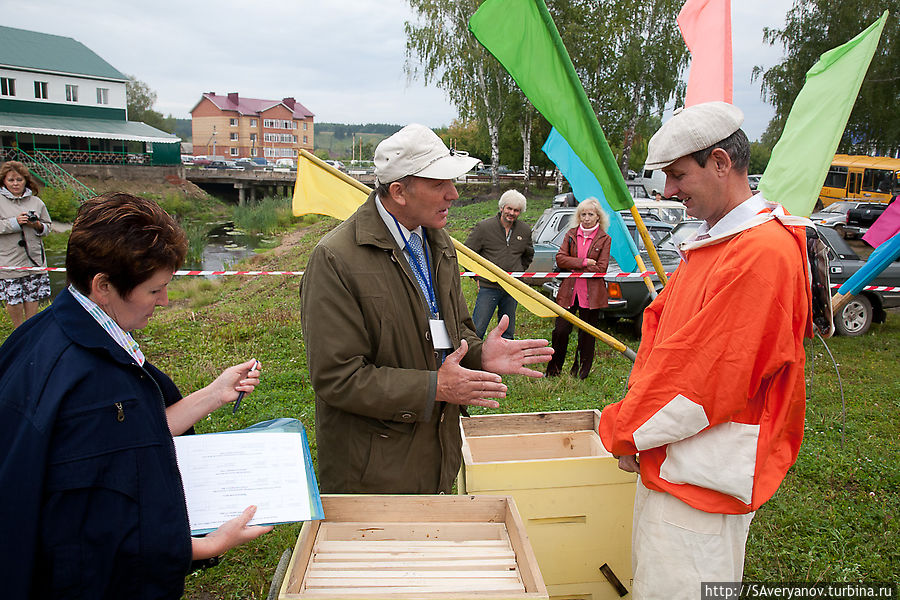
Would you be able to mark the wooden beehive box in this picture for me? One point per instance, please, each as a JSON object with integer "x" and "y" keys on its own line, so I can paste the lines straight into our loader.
{"x": 428, "y": 547}
{"x": 576, "y": 503}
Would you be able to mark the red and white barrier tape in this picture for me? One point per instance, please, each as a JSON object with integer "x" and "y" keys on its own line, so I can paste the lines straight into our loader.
{"x": 516, "y": 274}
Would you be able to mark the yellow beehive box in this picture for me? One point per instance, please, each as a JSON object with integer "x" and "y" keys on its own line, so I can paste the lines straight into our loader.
{"x": 576, "y": 503}
{"x": 414, "y": 547}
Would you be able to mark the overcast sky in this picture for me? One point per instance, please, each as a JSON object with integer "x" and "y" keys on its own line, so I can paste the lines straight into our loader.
{"x": 343, "y": 59}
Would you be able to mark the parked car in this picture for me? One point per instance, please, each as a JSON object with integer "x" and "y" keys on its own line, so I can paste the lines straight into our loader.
{"x": 682, "y": 231}
{"x": 637, "y": 190}
{"x": 835, "y": 214}
{"x": 564, "y": 199}
{"x": 231, "y": 164}
{"x": 336, "y": 164}
{"x": 201, "y": 161}
{"x": 246, "y": 163}
{"x": 754, "y": 180}
{"x": 868, "y": 306}
{"x": 216, "y": 164}
{"x": 860, "y": 217}
{"x": 187, "y": 159}
{"x": 285, "y": 163}
{"x": 667, "y": 211}
{"x": 627, "y": 297}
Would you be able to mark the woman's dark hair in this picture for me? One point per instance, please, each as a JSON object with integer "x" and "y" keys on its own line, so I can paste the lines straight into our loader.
{"x": 126, "y": 237}
{"x": 14, "y": 165}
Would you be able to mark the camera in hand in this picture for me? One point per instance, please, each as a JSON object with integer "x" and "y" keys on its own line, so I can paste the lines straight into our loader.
{"x": 32, "y": 216}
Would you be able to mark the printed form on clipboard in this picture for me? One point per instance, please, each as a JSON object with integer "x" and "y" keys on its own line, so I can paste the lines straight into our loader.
{"x": 267, "y": 465}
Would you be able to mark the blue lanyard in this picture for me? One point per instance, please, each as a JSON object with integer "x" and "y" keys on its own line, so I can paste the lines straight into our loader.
{"x": 426, "y": 276}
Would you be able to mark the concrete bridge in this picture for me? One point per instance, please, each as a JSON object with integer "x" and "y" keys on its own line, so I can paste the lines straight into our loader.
{"x": 254, "y": 183}
{"x": 249, "y": 184}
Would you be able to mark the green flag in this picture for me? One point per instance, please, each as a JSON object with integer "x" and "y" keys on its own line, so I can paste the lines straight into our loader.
{"x": 801, "y": 158}
{"x": 523, "y": 37}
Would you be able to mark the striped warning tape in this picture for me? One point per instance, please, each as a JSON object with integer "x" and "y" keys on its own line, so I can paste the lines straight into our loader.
{"x": 516, "y": 274}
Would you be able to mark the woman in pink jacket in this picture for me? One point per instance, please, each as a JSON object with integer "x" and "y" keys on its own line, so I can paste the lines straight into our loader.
{"x": 584, "y": 249}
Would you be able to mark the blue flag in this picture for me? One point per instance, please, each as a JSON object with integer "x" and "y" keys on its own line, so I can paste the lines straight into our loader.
{"x": 877, "y": 262}
{"x": 585, "y": 185}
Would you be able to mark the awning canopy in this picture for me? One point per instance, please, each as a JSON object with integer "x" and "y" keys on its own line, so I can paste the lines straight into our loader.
{"x": 102, "y": 129}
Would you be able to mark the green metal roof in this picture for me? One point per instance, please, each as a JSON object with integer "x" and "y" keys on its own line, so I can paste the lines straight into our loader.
{"x": 103, "y": 129}
{"x": 55, "y": 53}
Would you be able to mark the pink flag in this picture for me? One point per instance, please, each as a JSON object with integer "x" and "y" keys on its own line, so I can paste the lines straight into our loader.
{"x": 885, "y": 227}
{"x": 706, "y": 28}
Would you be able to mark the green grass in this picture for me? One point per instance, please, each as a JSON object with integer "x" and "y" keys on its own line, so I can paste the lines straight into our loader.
{"x": 836, "y": 517}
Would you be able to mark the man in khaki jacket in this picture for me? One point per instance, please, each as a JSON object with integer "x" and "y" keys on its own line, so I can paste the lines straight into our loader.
{"x": 391, "y": 348}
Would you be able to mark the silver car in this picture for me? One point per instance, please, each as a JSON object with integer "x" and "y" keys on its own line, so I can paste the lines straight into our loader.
{"x": 628, "y": 297}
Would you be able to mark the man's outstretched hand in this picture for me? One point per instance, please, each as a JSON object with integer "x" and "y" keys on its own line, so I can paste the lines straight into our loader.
{"x": 509, "y": 357}
{"x": 459, "y": 385}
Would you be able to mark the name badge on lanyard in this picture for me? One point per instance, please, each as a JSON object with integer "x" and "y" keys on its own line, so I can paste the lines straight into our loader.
{"x": 439, "y": 335}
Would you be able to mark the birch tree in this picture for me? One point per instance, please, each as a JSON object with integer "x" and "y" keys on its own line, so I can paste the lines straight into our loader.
{"x": 813, "y": 27}
{"x": 440, "y": 49}
{"x": 629, "y": 55}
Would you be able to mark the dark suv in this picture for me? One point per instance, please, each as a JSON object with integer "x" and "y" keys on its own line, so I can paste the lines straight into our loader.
{"x": 860, "y": 217}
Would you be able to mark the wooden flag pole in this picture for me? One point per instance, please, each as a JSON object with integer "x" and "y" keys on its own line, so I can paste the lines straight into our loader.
{"x": 651, "y": 249}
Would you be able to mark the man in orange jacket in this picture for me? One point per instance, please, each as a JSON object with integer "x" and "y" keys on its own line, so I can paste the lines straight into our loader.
{"x": 713, "y": 417}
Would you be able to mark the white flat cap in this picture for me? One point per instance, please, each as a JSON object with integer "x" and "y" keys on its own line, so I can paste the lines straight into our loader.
{"x": 691, "y": 129}
{"x": 417, "y": 150}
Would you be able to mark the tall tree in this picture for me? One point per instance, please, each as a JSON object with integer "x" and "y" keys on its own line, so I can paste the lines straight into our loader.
{"x": 813, "y": 27}
{"x": 629, "y": 55}
{"x": 139, "y": 104}
{"x": 440, "y": 48}
{"x": 469, "y": 136}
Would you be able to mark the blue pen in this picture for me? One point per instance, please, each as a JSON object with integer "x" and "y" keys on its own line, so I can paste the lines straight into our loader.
{"x": 240, "y": 397}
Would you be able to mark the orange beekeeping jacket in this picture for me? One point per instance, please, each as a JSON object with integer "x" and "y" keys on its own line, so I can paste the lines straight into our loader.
{"x": 716, "y": 400}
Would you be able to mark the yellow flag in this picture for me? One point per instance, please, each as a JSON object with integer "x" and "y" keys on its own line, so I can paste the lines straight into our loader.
{"x": 322, "y": 189}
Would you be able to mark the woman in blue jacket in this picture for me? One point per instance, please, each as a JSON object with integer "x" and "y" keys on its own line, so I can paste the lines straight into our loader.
{"x": 90, "y": 490}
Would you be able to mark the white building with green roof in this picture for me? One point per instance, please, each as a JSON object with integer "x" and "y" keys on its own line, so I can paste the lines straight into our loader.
{"x": 59, "y": 100}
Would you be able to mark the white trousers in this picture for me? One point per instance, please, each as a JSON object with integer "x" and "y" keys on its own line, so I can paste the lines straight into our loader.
{"x": 675, "y": 546}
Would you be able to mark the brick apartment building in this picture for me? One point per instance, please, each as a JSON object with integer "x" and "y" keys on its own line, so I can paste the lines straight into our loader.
{"x": 236, "y": 127}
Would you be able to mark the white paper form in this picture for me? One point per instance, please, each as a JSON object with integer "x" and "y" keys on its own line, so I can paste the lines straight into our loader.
{"x": 225, "y": 473}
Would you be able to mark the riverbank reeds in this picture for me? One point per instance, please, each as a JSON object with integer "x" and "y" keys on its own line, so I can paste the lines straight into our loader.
{"x": 268, "y": 216}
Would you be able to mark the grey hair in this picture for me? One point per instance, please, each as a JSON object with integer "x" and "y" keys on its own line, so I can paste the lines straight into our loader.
{"x": 384, "y": 189}
{"x": 512, "y": 198}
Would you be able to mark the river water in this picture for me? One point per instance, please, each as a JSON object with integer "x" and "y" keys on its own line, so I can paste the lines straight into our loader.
{"x": 225, "y": 246}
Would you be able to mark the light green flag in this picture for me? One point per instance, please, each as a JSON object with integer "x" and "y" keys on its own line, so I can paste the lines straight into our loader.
{"x": 523, "y": 37}
{"x": 801, "y": 158}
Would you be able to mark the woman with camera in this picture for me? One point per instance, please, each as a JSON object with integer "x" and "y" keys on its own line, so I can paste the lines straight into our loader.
{"x": 23, "y": 221}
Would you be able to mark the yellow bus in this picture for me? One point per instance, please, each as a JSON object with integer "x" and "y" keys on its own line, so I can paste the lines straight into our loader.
{"x": 872, "y": 178}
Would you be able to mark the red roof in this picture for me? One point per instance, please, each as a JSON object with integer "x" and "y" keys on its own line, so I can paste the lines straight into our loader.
{"x": 254, "y": 106}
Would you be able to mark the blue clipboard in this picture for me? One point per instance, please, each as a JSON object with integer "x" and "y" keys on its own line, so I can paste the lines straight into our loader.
{"x": 285, "y": 425}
